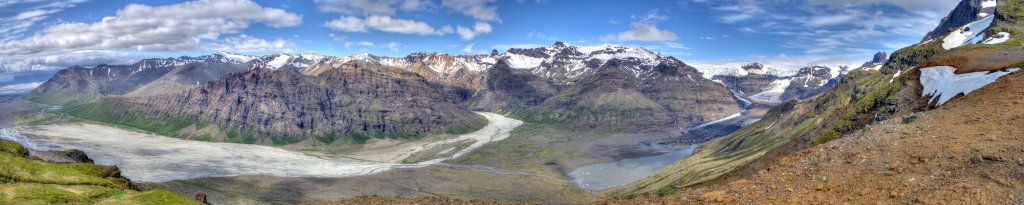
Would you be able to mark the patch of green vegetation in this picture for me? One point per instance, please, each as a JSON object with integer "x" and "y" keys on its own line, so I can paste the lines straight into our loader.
{"x": 12, "y": 148}
{"x": 665, "y": 192}
{"x": 1012, "y": 10}
{"x": 1018, "y": 65}
{"x": 911, "y": 56}
{"x": 466, "y": 128}
{"x": 909, "y": 120}
{"x": 158, "y": 196}
{"x": 112, "y": 111}
{"x": 54, "y": 98}
{"x": 24, "y": 181}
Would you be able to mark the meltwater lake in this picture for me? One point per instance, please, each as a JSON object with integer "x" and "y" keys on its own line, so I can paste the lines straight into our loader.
{"x": 625, "y": 171}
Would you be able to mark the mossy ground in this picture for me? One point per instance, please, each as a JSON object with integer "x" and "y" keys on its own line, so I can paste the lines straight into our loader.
{"x": 24, "y": 181}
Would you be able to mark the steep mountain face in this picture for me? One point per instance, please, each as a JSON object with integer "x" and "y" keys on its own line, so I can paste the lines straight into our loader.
{"x": 964, "y": 13}
{"x": 78, "y": 84}
{"x": 560, "y": 83}
{"x": 510, "y": 90}
{"x": 352, "y": 102}
{"x": 564, "y": 63}
{"x": 761, "y": 84}
{"x": 669, "y": 94}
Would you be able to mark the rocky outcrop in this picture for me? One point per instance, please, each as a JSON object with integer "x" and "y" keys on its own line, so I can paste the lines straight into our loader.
{"x": 879, "y": 58}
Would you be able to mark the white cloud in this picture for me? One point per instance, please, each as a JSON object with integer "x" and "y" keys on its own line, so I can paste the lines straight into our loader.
{"x": 385, "y": 24}
{"x": 469, "y": 49}
{"x": 358, "y": 7}
{"x": 63, "y": 59}
{"x": 246, "y": 43}
{"x": 14, "y": 26}
{"x": 644, "y": 30}
{"x": 347, "y": 24}
{"x": 469, "y": 33}
{"x": 543, "y": 36}
{"x": 908, "y": 5}
{"x": 175, "y": 27}
{"x": 478, "y": 9}
{"x": 415, "y": 5}
{"x": 365, "y": 43}
{"x": 393, "y": 46}
{"x": 828, "y": 20}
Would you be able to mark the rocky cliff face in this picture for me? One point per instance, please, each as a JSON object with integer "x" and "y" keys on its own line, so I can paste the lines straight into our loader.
{"x": 356, "y": 100}
{"x": 511, "y": 90}
{"x": 672, "y": 94}
{"x": 289, "y": 95}
{"x": 966, "y": 12}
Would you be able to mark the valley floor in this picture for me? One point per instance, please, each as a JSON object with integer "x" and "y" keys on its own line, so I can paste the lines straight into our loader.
{"x": 151, "y": 158}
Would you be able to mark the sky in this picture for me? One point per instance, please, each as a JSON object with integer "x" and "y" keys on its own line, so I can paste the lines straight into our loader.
{"x": 54, "y": 34}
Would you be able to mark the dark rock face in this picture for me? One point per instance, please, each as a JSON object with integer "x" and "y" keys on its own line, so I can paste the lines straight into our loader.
{"x": 66, "y": 156}
{"x": 879, "y": 58}
{"x": 78, "y": 155}
{"x": 201, "y": 198}
{"x": 810, "y": 81}
{"x": 512, "y": 90}
{"x": 674, "y": 96}
{"x": 359, "y": 98}
{"x": 964, "y": 13}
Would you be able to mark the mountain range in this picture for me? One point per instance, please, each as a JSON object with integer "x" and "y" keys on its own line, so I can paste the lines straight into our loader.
{"x": 292, "y": 98}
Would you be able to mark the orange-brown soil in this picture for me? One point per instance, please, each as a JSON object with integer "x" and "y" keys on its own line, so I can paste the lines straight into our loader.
{"x": 970, "y": 151}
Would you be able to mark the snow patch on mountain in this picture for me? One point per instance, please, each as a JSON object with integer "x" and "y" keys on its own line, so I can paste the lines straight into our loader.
{"x": 972, "y": 33}
{"x": 236, "y": 57}
{"x": 942, "y": 84}
{"x": 1000, "y": 37}
{"x": 278, "y": 61}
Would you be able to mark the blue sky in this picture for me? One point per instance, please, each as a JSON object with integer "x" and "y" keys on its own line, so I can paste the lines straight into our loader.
{"x": 52, "y": 34}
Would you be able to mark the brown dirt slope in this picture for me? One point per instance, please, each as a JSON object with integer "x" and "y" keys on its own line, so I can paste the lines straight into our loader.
{"x": 969, "y": 151}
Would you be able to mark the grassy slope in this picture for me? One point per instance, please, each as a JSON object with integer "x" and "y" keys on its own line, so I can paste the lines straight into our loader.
{"x": 965, "y": 152}
{"x": 24, "y": 181}
{"x": 781, "y": 125}
{"x": 848, "y": 108}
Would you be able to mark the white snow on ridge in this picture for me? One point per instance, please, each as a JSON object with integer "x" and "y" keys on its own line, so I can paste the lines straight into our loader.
{"x": 1003, "y": 37}
{"x": 970, "y": 34}
{"x": 711, "y": 69}
{"x": 988, "y": 4}
{"x": 941, "y": 83}
{"x": 279, "y": 61}
{"x": 236, "y": 57}
{"x": 773, "y": 94}
{"x": 522, "y": 62}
